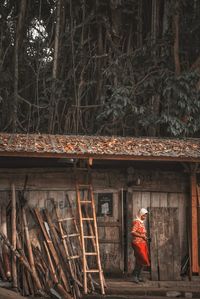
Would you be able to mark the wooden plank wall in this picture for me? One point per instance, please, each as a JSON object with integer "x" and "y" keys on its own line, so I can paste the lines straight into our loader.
{"x": 139, "y": 199}
{"x": 165, "y": 246}
{"x": 44, "y": 184}
{"x": 110, "y": 236}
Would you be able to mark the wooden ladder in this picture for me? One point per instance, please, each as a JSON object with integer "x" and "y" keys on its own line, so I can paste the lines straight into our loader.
{"x": 88, "y": 222}
{"x": 67, "y": 238}
{"x": 67, "y": 242}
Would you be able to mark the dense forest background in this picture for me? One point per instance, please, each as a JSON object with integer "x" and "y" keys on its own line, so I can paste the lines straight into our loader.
{"x": 106, "y": 67}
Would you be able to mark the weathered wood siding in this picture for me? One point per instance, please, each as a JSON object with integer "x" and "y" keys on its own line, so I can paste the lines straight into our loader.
{"x": 149, "y": 200}
{"x": 165, "y": 245}
{"x": 156, "y": 189}
{"x": 110, "y": 236}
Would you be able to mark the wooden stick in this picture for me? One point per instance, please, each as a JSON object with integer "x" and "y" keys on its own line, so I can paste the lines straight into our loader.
{"x": 30, "y": 283}
{"x": 6, "y": 261}
{"x": 13, "y": 232}
{"x": 54, "y": 235}
{"x": 5, "y": 250}
{"x": 60, "y": 288}
{"x": 65, "y": 254}
{"x": 19, "y": 255}
{"x": 25, "y": 288}
{"x": 42, "y": 267}
{"x": 25, "y": 282}
{"x": 52, "y": 249}
{"x": 30, "y": 252}
{"x": 2, "y": 272}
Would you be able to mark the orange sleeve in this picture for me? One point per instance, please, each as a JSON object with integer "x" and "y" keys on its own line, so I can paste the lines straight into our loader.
{"x": 135, "y": 226}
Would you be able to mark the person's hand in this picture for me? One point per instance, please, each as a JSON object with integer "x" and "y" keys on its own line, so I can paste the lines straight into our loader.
{"x": 144, "y": 237}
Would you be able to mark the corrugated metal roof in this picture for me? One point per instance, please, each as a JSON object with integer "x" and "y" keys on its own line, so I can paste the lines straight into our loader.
{"x": 102, "y": 147}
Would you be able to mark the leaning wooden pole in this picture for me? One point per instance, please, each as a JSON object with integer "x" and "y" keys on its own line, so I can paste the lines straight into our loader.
{"x": 194, "y": 223}
{"x": 5, "y": 250}
{"x": 59, "y": 287}
{"x": 14, "y": 235}
{"x": 29, "y": 248}
{"x": 52, "y": 250}
{"x": 20, "y": 256}
{"x": 25, "y": 290}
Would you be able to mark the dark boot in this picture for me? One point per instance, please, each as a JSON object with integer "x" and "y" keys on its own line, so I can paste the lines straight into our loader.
{"x": 136, "y": 273}
{"x": 135, "y": 279}
{"x": 139, "y": 275}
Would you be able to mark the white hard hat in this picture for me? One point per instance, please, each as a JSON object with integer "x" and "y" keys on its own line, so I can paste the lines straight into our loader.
{"x": 143, "y": 211}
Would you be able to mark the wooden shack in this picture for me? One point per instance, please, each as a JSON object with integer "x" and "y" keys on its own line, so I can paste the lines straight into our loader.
{"x": 127, "y": 173}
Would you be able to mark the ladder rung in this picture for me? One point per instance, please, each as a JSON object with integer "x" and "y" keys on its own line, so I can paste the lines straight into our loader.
{"x": 65, "y": 219}
{"x": 90, "y": 253}
{"x": 73, "y": 257}
{"x": 87, "y": 218}
{"x": 70, "y": 236}
{"x": 85, "y": 201}
{"x": 89, "y": 237}
{"x": 92, "y": 271}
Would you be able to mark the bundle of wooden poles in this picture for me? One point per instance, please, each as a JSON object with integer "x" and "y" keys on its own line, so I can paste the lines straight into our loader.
{"x": 39, "y": 260}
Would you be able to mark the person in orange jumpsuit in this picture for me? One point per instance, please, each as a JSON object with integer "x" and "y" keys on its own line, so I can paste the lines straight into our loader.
{"x": 139, "y": 244}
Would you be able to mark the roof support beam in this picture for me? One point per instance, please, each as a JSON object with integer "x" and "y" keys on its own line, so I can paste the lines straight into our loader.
{"x": 194, "y": 223}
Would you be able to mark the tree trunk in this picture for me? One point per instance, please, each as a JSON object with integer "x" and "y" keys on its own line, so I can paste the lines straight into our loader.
{"x": 139, "y": 24}
{"x": 53, "y": 99}
{"x": 155, "y": 21}
{"x": 176, "y": 38}
{"x": 155, "y": 30}
{"x": 18, "y": 41}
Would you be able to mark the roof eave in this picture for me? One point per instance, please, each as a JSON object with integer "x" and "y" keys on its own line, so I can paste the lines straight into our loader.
{"x": 99, "y": 157}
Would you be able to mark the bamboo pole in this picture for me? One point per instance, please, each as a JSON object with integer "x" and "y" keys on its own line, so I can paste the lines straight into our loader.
{"x": 30, "y": 252}
{"x": 30, "y": 283}
{"x": 25, "y": 288}
{"x": 54, "y": 235}
{"x": 13, "y": 232}
{"x": 52, "y": 249}
{"x": 5, "y": 250}
{"x": 20, "y": 256}
{"x": 2, "y": 272}
{"x": 59, "y": 287}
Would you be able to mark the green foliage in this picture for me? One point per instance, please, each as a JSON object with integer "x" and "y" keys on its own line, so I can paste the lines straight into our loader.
{"x": 181, "y": 104}
{"x": 115, "y": 76}
{"x": 118, "y": 104}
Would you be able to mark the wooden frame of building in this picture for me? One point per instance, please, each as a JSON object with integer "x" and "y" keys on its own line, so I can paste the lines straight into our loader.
{"x": 127, "y": 173}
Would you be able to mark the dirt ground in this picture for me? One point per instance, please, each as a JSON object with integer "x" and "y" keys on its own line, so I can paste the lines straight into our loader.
{"x": 7, "y": 294}
{"x": 125, "y": 289}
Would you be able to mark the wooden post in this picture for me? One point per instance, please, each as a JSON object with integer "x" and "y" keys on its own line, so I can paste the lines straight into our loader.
{"x": 13, "y": 226}
{"x": 5, "y": 250}
{"x": 194, "y": 223}
{"x": 29, "y": 249}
